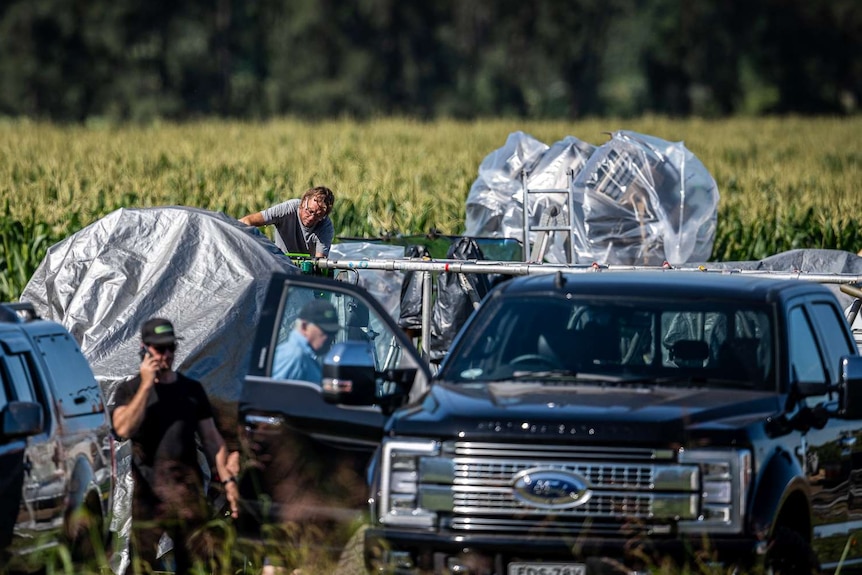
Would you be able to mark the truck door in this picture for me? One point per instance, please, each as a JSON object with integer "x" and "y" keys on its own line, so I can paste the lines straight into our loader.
{"x": 828, "y": 453}
{"x": 838, "y": 481}
{"x": 296, "y": 397}
{"x": 41, "y": 509}
{"x": 303, "y": 450}
{"x": 12, "y": 464}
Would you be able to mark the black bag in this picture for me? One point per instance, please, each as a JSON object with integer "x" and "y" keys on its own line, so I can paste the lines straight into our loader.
{"x": 458, "y": 294}
{"x": 410, "y": 317}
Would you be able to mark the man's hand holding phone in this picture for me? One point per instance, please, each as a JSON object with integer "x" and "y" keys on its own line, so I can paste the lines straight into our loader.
{"x": 149, "y": 368}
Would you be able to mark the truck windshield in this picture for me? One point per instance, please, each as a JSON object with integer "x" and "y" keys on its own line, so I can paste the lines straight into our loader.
{"x": 703, "y": 343}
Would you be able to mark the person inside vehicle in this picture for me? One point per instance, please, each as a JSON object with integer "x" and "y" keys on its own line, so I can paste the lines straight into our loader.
{"x": 161, "y": 411}
{"x": 302, "y": 225}
{"x": 315, "y": 329}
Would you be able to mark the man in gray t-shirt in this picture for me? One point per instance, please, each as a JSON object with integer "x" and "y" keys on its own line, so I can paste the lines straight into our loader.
{"x": 302, "y": 225}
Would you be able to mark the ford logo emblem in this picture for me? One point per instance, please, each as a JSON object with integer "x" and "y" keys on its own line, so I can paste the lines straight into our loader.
{"x": 550, "y": 488}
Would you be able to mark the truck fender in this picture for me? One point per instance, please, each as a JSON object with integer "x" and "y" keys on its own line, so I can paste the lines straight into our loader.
{"x": 782, "y": 492}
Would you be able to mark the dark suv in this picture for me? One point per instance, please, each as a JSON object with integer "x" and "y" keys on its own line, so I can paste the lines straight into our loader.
{"x": 55, "y": 444}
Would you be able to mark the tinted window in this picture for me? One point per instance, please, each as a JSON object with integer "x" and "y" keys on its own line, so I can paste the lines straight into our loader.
{"x": 21, "y": 378}
{"x": 5, "y": 386}
{"x": 698, "y": 342}
{"x": 295, "y": 358}
{"x": 75, "y": 388}
{"x": 805, "y": 362}
{"x": 835, "y": 338}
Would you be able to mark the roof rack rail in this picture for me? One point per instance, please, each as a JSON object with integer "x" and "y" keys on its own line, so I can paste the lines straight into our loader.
{"x": 17, "y": 312}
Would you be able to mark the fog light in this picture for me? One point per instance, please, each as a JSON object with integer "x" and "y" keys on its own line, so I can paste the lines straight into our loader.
{"x": 399, "y": 560}
{"x": 455, "y": 565}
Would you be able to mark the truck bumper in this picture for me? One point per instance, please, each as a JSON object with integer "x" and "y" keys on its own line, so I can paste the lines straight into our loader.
{"x": 411, "y": 553}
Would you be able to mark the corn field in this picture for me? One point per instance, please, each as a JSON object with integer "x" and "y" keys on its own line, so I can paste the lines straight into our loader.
{"x": 785, "y": 183}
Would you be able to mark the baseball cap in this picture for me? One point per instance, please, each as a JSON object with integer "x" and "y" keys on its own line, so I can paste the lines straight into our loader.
{"x": 322, "y": 314}
{"x": 158, "y": 331}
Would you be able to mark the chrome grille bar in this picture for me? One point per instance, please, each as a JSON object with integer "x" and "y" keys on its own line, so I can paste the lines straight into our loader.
{"x": 473, "y": 471}
{"x": 539, "y": 451}
{"x": 553, "y": 526}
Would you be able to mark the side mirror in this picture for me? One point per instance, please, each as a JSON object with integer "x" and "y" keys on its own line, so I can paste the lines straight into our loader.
{"x": 850, "y": 387}
{"x": 349, "y": 376}
{"x": 21, "y": 419}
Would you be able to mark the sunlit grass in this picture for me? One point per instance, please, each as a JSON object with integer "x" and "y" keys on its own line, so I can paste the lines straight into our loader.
{"x": 288, "y": 547}
{"x": 784, "y": 182}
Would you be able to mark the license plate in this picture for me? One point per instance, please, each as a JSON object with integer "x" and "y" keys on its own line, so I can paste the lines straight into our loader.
{"x": 547, "y": 569}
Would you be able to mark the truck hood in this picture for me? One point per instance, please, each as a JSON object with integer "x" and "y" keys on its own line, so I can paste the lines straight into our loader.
{"x": 593, "y": 413}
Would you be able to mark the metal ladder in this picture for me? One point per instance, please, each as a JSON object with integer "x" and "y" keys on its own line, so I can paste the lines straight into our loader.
{"x": 551, "y": 221}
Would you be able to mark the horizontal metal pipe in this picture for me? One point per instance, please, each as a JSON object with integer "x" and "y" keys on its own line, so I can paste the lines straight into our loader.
{"x": 520, "y": 268}
{"x": 852, "y": 291}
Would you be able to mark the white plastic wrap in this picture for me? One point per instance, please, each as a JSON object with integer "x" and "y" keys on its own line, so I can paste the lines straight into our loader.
{"x": 636, "y": 199}
{"x": 385, "y": 286}
{"x": 646, "y": 201}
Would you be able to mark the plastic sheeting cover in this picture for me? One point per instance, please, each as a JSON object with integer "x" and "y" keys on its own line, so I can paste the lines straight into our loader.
{"x": 203, "y": 270}
{"x": 384, "y": 285}
{"x": 495, "y": 202}
{"x": 810, "y": 260}
{"x": 637, "y": 199}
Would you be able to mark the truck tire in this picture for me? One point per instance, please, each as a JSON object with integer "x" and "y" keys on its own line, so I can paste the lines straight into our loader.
{"x": 352, "y": 558}
{"x": 84, "y": 534}
{"x": 790, "y": 554}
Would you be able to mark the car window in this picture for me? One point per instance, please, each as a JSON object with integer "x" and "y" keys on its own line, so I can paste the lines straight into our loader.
{"x": 18, "y": 369}
{"x": 296, "y": 357}
{"x": 5, "y": 388}
{"x": 716, "y": 344}
{"x": 835, "y": 339}
{"x": 805, "y": 362}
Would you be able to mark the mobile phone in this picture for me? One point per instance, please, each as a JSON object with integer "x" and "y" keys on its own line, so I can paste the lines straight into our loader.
{"x": 144, "y": 352}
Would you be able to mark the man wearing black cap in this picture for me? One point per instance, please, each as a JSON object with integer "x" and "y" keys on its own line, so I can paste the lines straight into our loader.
{"x": 160, "y": 410}
{"x": 315, "y": 330}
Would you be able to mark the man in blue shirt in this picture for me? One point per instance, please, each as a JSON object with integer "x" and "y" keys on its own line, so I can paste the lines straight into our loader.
{"x": 313, "y": 334}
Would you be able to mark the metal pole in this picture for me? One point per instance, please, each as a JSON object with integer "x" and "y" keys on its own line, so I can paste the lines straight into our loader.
{"x": 857, "y": 303}
{"x": 426, "y": 312}
{"x": 518, "y": 269}
{"x": 526, "y": 207}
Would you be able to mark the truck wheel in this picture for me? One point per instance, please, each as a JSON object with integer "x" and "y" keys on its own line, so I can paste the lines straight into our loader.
{"x": 790, "y": 554}
{"x": 84, "y": 534}
{"x": 352, "y": 558}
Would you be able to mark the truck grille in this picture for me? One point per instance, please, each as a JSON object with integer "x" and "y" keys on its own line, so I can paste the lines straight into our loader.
{"x": 624, "y": 484}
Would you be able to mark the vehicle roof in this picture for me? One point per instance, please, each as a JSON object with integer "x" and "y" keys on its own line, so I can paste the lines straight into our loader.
{"x": 663, "y": 284}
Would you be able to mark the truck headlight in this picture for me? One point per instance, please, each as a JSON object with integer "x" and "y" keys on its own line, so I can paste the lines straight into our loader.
{"x": 399, "y": 483}
{"x": 725, "y": 478}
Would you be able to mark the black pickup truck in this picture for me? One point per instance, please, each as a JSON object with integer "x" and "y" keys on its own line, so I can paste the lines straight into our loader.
{"x": 580, "y": 423}
{"x": 56, "y": 448}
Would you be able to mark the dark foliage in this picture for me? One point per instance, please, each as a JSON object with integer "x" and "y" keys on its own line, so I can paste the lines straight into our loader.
{"x": 136, "y": 60}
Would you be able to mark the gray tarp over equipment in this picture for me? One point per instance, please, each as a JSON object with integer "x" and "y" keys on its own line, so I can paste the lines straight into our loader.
{"x": 203, "y": 270}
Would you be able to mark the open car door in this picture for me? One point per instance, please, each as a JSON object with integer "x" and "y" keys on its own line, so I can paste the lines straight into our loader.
{"x": 297, "y": 443}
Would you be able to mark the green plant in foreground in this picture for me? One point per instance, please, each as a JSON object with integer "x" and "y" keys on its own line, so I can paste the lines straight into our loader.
{"x": 23, "y": 245}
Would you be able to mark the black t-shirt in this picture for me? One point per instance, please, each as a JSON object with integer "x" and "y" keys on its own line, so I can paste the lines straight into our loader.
{"x": 167, "y": 433}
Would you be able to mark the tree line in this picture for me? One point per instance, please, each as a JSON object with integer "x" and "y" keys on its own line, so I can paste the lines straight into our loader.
{"x": 79, "y": 60}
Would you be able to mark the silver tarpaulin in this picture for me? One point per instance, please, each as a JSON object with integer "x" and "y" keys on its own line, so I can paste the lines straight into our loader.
{"x": 203, "y": 270}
